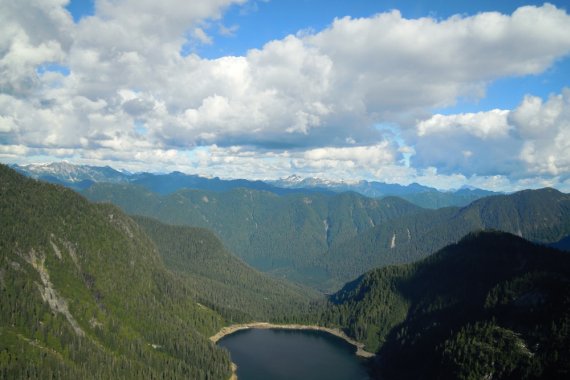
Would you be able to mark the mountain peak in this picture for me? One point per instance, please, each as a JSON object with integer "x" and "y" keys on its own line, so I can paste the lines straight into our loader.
{"x": 293, "y": 178}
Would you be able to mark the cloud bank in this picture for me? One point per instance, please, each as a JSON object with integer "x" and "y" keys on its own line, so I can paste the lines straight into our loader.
{"x": 120, "y": 88}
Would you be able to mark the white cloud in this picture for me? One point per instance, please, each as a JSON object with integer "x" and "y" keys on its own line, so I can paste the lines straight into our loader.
{"x": 7, "y": 124}
{"x": 484, "y": 125}
{"x": 308, "y": 101}
{"x": 166, "y": 19}
{"x": 228, "y": 31}
{"x": 31, "y": 33}
{"x": 335, "y": 84}
{"x": 531, "y": 140}
{"x": 331, "y": 86}
{"x": 201, "y": 36}
{"x": 472, "y": 143}
{"x": 545, "y": 129}
{"x": 362, "y": 155}
{"x": 393, "y": 66}
{"x": 535, "y": 119}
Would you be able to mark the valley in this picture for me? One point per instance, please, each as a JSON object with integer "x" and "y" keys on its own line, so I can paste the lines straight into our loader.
{"x": 325, "y": 240}
{"x": 284, "y": 190}
{"x": 130, "y": 296}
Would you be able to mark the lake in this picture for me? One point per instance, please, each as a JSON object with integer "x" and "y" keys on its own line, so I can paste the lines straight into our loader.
{"x": 273, "y": 354}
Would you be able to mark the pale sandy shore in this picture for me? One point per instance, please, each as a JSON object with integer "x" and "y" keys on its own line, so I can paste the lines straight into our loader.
{"x": 264, "y": 325}
{"x": 234, "y": 372}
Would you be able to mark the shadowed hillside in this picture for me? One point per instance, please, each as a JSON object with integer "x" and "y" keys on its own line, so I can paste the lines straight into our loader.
{"x": 491, "y": 306}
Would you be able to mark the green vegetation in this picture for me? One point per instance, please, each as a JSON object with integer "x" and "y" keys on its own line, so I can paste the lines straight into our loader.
{"x": 538, "y": 215}
{"x": 87, "y": 292}
{"x": 84, "y": 294}
{"x": 223, "y": 282}
{"x": 491, "y": 306}
{"x": 325, "y": 240}
{"x": 434, "y": 199}
{"x": 284, "y": 235}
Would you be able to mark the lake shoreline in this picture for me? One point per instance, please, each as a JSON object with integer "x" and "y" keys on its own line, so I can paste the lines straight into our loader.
{"x": 234, "y": 372}
{"x": 265, "y": 325}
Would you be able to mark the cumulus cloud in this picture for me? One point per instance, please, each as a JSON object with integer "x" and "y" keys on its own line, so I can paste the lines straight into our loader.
{"x": 228, "y": 31}
{"x": 531, "y": 140}
{"x": 545, "y": 129}
{"x": 390, "y": 65}
{"x": 350, "y": 157}
{"x": 344, "y": 79}
{"x": 472, "y": 143}
{"x": 31, "y": 34}
{"x": 309, "y": 101}
{"x": 201, "y": 36}
{"x": 483, "y": 125}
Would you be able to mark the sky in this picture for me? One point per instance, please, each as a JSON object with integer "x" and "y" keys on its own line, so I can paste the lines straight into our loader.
{"x": 443, "y": 93}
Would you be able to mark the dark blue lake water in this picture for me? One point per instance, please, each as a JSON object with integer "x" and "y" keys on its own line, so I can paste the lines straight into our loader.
{"x": 293, "y": 354}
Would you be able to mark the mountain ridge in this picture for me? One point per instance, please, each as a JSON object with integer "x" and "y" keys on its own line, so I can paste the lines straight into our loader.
{"x": 88, "y": 292}
{"x": 83, "y": 291}
{"x": 81, "y": 177}
{"x": 284, "y": 235}
{"x": 491, "y": 305}
{"x": 538, "y": 215}
{"x": 325, "y": 240}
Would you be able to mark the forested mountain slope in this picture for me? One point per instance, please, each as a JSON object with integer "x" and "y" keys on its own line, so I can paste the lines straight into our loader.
{"x": 324, "y": 240}
{"x": 221, "y": 281}
{"x": 537, "y": 215}
{"x": 284, "y": 235}
{"x": 87, "y": 292}
{"x": 491, "y": 306}
{"x": 434, "y": 199}
{"x": 84, "y": 294}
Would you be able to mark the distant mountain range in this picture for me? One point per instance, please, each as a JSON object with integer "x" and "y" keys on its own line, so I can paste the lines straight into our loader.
{"x": 76, "y": 177}
{"x": 370, "y": 189}
{"x": 81, "y": 177}
{"x": 423, "y": 196}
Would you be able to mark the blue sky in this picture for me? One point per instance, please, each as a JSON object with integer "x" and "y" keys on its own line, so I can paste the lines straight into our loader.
{"x": 445, "y": 93}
